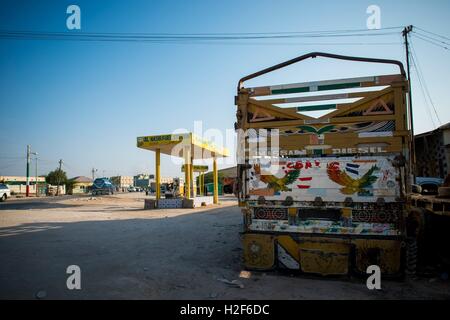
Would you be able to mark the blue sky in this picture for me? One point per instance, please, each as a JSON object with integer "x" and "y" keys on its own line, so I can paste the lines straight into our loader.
{"x": 86, "y": 102}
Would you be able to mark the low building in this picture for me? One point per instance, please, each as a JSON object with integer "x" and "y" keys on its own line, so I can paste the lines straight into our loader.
{"x": 17, "y": 184}
{"x": 122, "y": 181}
{"x": 79, "y": 185}
{"x": 227, "y": 178}
{"x": 432, "y": 151}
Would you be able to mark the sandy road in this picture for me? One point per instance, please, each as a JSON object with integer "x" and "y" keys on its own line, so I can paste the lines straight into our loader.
{"x": 127, "y": 252}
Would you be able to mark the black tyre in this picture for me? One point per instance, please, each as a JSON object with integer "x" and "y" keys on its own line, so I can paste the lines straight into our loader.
{"x": 411, "y": 256}
{"x": 3, "y": 198}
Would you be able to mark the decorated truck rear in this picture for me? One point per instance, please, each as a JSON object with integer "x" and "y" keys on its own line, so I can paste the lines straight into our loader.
{"x": 324, "y": 194}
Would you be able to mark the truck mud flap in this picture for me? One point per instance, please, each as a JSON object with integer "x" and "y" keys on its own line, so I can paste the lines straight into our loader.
{"x": 258, "y": 251}
{"x": 387, "y": 254}
{"x": 324, "y": 256}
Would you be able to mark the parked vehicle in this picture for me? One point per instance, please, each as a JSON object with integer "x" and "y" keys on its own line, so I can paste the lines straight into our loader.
{"x": 429, "y": 185}
{"x": 102, "y": 186}
{"x": 331, "y": 199}
{"x": 5, "y": 193}
{"x": 430, "y": 222}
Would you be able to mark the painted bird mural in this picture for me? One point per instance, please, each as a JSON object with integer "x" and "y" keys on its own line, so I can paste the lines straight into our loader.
{"x": 351, "y": 185}
{"x": 275, "y": 183}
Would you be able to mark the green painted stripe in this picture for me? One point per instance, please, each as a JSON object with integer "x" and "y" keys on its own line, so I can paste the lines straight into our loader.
{"x": 290, "y": 90}
{"x": 317, "y": 107}
{"x": 339, "y": 86}
{"x": 324, "y": 87}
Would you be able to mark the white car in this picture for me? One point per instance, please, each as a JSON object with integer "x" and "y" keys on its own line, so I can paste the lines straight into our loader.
{"x": 4, "y": 192}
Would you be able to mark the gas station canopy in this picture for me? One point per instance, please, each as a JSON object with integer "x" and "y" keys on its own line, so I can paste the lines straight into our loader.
{"x": 172, "y": 144}
{"x": 190, "y": 147}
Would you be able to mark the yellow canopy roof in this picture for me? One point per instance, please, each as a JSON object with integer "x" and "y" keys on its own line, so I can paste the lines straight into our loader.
{"x": 176, "y": 144}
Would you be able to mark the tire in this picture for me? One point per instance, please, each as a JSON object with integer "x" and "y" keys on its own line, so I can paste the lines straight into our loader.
{"x": 3, "y": 198}
{"x": 411, "y": 256}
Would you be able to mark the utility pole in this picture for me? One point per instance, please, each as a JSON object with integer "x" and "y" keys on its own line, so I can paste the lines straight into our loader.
{"x": 405, "y": 33}
{"x": 59, "y": 177}
{"x": 93, "y": 173}
{"x": 36, "y": 181}
{"x": 27, "y": 192}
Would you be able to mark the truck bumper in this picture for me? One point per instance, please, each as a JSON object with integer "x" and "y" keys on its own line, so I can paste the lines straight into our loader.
{"x": 322, "y": 254}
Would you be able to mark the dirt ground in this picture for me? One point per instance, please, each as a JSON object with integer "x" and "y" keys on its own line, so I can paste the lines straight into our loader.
{"x": 125, "y": 252}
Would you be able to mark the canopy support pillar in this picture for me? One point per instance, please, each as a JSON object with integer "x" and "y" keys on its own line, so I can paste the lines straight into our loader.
{"x": 187, "y": 173}
{"x": 193, "y": 184}
{"x": 157, "y": 173}
{"x": 216, "y": 182}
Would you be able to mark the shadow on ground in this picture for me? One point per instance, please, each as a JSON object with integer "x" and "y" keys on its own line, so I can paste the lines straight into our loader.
{"x": 145, "y": 258}
{"x": 157, "y": 257}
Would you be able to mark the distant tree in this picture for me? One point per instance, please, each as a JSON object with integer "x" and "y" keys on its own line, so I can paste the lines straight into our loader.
{"x": 56, "y": 176}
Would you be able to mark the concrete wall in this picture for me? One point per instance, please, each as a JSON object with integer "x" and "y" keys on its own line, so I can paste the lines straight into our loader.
{"x": 122, "y": 181}
{"x": 433, "y": 154}
{"x": 21, "y": 189}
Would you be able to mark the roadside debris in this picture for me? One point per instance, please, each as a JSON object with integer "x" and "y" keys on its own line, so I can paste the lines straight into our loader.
{"x": 41, "y": 294}
{"x": 245, "y": 274}
{"x": 233, "y": 283}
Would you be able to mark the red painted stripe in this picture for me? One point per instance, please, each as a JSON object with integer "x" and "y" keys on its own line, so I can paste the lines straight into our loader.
{"x": 303, "y": 186}
{"x": 305, "y": 179}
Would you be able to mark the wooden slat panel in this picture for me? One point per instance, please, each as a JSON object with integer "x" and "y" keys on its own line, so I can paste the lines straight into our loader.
{"x": 325, "y": 85}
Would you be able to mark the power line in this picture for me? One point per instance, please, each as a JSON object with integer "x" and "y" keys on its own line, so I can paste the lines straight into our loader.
{"x": 423, "y": 94}
{"x": 210, "y": 42}
{"x": 422, "y": 82}
{"x": 229, "y": 34}
{"x": 433, "y": 33}
{"x": 167, "y": 37}
{"x": 432, "y": 38}
{"x": 2, "y": 157}
{"x": 430, "y": 41}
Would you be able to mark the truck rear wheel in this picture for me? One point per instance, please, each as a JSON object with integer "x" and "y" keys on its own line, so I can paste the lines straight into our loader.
{"x": 411, "y": 256}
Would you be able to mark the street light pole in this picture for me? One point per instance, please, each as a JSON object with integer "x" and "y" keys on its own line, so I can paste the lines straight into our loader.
{"x": 59, "y": 176}
{"x": 27, "y": 191}
{"x": 36, "y": 183}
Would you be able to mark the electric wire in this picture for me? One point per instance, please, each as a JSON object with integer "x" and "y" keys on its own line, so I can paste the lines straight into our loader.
{"x": 421, "y": 75}
{"x": 430, "y": 41}
{"x": 421, "y": 85}
{"x": 432, "y": 33}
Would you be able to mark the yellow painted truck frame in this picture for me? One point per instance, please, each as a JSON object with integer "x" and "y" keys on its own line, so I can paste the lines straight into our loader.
{"x": 328, "y": 194}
